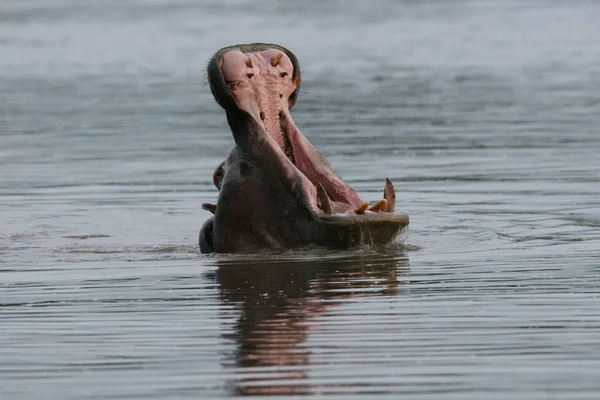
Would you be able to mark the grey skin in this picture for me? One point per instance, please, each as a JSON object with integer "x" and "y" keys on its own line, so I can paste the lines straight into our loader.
{"x": 259, "y": 206}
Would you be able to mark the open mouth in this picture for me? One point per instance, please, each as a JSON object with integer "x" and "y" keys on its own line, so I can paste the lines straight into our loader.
{"x": 257, "y": 85}
{"x": 264, "y": 83}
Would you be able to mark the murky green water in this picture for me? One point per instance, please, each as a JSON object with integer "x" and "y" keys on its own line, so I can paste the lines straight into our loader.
{"x": 486, "y": 116}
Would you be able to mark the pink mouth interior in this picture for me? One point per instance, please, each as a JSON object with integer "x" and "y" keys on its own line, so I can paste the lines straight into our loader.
{"x": 261, "y": 84}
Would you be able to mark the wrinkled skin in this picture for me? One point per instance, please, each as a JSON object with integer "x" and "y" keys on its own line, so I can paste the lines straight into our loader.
{"x": 277, "y": 191}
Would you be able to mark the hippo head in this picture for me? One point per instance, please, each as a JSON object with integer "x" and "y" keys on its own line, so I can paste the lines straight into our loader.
{"x": 277, "y": 191}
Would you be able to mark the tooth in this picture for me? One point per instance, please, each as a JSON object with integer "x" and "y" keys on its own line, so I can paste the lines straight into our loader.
{"x": 380, "y": 205}
{"x": 323, "y": 199}
{"x": 362, "y": 208}
{"x": 389, "y": 194}
{"x": 249, "y": 63}
{"x": 276, "y": 59}
{"x": 210, "y": 207}
{"x": 297, "y": 80}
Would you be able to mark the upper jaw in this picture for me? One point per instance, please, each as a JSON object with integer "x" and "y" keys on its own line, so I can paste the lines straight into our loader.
{"x": 218, "y": 84}
{"x": 257, "y": 84}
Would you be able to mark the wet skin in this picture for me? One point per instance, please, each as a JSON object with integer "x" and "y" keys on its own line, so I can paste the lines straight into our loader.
{"x": 277, "y": 191}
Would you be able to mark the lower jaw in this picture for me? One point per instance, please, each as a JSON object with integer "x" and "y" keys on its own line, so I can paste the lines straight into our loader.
{"x": 343, "y": 231}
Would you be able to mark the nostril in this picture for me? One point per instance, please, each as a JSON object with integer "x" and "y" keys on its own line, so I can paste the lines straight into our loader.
{"x": 250, "y": 75}
{"x": 283, "y": 74}
{"x": 280, "y": 114}
{"x": 280, "y": 95}
{"x": 262, "y": 116}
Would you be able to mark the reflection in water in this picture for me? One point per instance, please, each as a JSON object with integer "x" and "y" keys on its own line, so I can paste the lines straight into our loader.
{"x": 280, "y": 299}
{"x": 484, "y": 114}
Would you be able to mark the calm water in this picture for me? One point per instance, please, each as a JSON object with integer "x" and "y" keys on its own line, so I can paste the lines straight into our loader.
{"x": 486, "y": 115}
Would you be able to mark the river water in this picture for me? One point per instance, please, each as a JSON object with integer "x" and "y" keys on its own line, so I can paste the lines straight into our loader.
{"x": 484, "y": 114}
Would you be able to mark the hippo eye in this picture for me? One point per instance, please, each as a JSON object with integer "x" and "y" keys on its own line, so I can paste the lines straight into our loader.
{"x": 283, "y": 74}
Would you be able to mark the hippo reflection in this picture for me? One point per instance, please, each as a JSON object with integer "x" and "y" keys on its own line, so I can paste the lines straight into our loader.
{"x": 281, "y": 305}
{"x": 277, "y": 191}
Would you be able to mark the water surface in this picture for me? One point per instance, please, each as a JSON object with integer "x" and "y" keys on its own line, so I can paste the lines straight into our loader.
{"x": 484, "y": 114}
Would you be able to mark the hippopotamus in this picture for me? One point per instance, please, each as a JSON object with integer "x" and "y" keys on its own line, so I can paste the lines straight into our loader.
{"x": 276, "y": 190}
